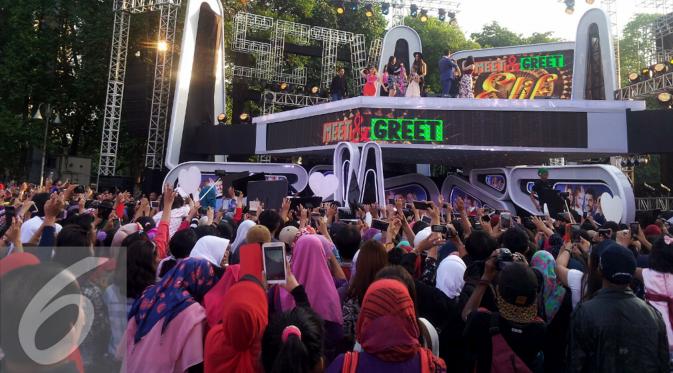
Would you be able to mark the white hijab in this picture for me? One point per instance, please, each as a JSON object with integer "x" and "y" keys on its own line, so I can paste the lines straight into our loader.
{"x": 241, "y": 233}
{"x": 210, "y": 248}
{"x": 450, "y": 276}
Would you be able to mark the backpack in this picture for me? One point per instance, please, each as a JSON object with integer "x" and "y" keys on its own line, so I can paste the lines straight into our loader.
{"x": 503, "y": 359}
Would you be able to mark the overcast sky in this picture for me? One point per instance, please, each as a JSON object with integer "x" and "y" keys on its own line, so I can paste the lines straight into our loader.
{"x": 528, "y": 16}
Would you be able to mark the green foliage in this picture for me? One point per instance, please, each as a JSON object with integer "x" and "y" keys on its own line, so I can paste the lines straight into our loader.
{"x": 633, "y": 46}
{"x": 437, "y": 36}
{"x": 494, "y": 35}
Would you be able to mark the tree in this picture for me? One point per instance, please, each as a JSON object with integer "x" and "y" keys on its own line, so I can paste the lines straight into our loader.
{"x": 635, "y": 45}
{"x": 437, "y": 36}
{"x": 494, "y": 35}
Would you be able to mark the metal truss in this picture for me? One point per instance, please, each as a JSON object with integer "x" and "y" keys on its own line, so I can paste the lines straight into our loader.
{"x": 358, "y": 61}
{"x": 117, "y": 73}
{"x": 271, "y": 56}
{"x": 663, "y": 26}
{"x": 162, "y": 88}
{"x": 659, "y": 6}
{"x": 115, "y": 93}
{"x": 271, "y": 99}
{"x": 647, "y": 88}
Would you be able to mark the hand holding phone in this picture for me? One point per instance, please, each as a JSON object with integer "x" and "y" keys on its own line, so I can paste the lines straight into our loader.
{"x": 274, "y": 262}
{"x": 380, "y": 225}
{"x": 505, "y": 220}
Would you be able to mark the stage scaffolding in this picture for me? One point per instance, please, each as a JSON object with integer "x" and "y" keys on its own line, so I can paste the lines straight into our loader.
{"x": 272, "y": 99}
{"x": 123, "y": 9}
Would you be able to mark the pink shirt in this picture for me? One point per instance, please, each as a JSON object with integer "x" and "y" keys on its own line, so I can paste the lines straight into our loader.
{"x": 180, "y": 347}
{"x": 660, "y": 283}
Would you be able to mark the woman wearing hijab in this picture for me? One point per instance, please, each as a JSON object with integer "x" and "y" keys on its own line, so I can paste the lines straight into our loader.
{"x": 450, "y": 276}
{"x": 215, "y": 299}
{"x": 555, "y": 307}
{"x": 309, "y": 265}
{"x": 212, "y": 249}
{"x": 234, "y": 346}
{"x": 241, "y": 235}
{"x": 167, "y": 323}
{"x": 388, "y": 332}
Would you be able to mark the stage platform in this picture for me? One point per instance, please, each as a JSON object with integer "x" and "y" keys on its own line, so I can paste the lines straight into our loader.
{"x": 462, "y": 132}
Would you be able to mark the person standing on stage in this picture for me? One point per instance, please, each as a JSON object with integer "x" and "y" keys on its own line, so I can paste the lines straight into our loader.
{"x": 544, "y": 193}
{"x": 447, "y": 71}
{"x": 420, "y": 69}
{"x": 465, "y": 89}
{"x": 372, "y": 78}
{"x": 338, "y": 87}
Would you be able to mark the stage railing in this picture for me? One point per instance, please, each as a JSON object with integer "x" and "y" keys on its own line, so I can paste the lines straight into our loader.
{"x": 654, "y": 203}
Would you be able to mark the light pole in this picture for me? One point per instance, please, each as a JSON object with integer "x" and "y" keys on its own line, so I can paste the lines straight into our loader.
{"x": 38, "y": 116}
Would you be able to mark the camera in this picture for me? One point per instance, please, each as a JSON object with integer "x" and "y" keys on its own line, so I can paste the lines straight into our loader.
{"x": 504, "y": 259}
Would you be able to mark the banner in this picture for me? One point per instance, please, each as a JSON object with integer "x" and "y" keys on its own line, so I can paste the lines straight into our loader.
{"x": 524, "y": 76}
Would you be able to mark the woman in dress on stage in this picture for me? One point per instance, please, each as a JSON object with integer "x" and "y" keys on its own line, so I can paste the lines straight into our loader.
{"x": 465, "y": 89}
{"x": 371, "y": 79}
{"x": 420, "y": 68}
{"x": 414, "y": 88}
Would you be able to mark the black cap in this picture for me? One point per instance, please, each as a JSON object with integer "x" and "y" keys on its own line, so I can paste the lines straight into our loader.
{"x": 617, "y": 264}
{"x": 518, "y": 285}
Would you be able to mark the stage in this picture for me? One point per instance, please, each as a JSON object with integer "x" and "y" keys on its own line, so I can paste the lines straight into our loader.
{"x": 458, "y": 132}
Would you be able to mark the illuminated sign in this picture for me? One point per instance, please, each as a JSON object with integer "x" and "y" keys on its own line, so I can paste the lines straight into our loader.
{"x": 524, "y": 76}
{"x": 354, "y": 129}
{"x": 416, "y": 130}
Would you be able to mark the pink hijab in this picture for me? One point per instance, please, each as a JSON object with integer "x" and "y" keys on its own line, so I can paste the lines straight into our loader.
{"x": 309, "y": 265}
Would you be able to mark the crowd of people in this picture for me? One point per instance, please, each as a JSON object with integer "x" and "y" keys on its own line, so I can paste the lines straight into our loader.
{"x": 407, "y": 287}
{"x": 396, "y": 81}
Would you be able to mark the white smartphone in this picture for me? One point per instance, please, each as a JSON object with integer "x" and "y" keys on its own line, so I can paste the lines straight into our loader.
{"x": 253, "y": 205}
{"x": 154, "y": 204}
{"x": 274, "y": 262}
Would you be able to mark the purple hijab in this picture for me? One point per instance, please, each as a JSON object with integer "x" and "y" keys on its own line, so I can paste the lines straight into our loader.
{"x": 309, "y": 266}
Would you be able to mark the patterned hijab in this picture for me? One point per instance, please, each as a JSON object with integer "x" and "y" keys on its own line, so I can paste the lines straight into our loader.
{"x": 182, "y": 286}
{"x": 553, "y": 292}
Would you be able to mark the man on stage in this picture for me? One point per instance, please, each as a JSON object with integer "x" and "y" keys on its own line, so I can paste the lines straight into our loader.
{"x": 447, "y": 73}
{"x": 544, "y": 193}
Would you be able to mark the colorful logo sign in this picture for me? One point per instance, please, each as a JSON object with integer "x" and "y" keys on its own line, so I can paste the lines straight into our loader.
{"x": 524, "y": 76}
{"x": 353, "y": 129}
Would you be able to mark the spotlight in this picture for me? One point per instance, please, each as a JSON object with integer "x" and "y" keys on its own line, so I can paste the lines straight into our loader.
{"x": 222, "y": 118}
{"x": 441, "y": 14}
{"x": 660, "y": 68}
{"x": 570, "y": 10}
{"x": 245, "y": 118}
{"x": 341, "y": 9}
{"x": 633, "y": 77}
{"x": 283, "y": 86}
{"x": 315, "y": 90}
{"x": 162, "y": 46}
{"x": 424, "y": 15}
{"x": 452, "y": 19}
{"x": 354, "y": 6}
{"x": 369, "y": 12}
{"x": 646, "y": 72}
{"x": 385, "y": 9}
{"x": 590, "y": 2}
{"x": 413, "y": 10}
{"x": 665, "y": 98}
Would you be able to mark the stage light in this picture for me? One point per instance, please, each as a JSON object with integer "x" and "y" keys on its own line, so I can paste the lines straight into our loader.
{"x": 665, "y": 98}
{"x": 354, "y": 6}
{"x": 222, "y": 118}
{"x": 570, "y": 10}
{"x": 452, "y": 19}
{"x": 341, "y": 9}
{"x": 245, "y": 118}
{"x": 646, "y": 72}
{"x": 441, "y": 14}
{"x": 590, "y": 2}
{"x": 315, "y": 90}
{"x": 413, "y": 10}
{"x": 283, "y": 86}
{"x": 633, "y": 77}
{"x": 162, "y": 46}
{"x": 660, "y": 68}
{"x": 424, "y": 15}
{"x": 369, "y": 12}
{"x": 385, "y": 9}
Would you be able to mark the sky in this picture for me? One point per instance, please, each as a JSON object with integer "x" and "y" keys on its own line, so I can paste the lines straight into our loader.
{"x": 528, "y": 16}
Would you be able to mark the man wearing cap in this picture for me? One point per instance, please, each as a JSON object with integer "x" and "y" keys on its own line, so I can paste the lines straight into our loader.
{"x": 543, "y": 193}
{"x": 616, "y": 331}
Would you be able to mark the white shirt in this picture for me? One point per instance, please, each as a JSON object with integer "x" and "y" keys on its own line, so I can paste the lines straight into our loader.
{"x": 30, "y": 226}
{"x": 575, "y": 285}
